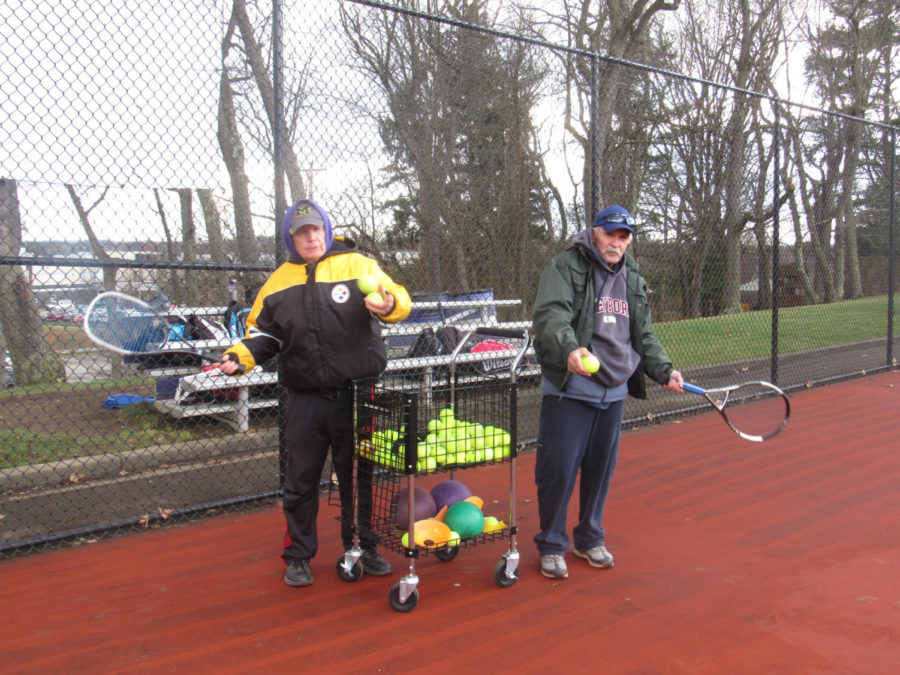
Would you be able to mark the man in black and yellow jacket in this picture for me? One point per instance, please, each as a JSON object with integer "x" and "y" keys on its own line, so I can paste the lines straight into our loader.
{"x": 312, "y": 313}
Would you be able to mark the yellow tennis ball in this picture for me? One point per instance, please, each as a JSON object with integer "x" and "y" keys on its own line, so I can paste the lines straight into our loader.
{"x": 591, "y": 363}
{"x": 367, "y": 284}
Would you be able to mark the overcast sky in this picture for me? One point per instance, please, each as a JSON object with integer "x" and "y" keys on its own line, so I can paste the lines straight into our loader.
{"x": 108, "y": 92}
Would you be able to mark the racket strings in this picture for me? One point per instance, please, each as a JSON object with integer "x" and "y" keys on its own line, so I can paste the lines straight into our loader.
{"x": 126, "y": 326}
{"x": 756, "y": 410}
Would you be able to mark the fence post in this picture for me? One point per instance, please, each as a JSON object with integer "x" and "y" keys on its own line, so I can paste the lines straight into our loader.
{"x": 280, "y": 201}
{"x": 594, "y": 198}
{"x": 278, "y": 124}
{"x": 776, "y": 246}
{"x": 892, "y": 246}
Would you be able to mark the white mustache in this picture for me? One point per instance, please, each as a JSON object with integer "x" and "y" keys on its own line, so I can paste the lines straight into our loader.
{"x": 611, "y": 249}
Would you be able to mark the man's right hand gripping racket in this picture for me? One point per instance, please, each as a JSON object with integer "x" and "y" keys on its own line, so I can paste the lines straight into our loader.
{"x": 755, "y": 411}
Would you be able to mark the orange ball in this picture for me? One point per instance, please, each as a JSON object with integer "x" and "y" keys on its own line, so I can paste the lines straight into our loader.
{"x": 477, "y": 501}
{"x": 430, "y": 533}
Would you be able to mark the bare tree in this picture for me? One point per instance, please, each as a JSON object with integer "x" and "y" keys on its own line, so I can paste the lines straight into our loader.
{"x": 109, "y": 272}
{"x": 261, "y": 75}
{"x": 622, "y": 30}
{"x": 233, "y": 156}
{"x": 458, "y": 130}
{"x": 213, "y": 223}
{"x": 734, "y": 43}
{"x": 188, "y": 245}
{"x": 171, "y": 251}
{"x": 34, "y": 361}
{"x": 845, "y": 65}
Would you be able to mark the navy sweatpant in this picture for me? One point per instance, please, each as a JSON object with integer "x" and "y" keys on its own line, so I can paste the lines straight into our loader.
{"x": 315, "y": 421}
{"x": 574, "y": 436}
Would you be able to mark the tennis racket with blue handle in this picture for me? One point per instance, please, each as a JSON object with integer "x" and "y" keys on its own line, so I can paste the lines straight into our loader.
{"x": 755, "y": 411}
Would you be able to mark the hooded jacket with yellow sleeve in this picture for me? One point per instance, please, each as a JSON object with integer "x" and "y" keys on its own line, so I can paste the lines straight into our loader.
{"x": 314, "y": 315}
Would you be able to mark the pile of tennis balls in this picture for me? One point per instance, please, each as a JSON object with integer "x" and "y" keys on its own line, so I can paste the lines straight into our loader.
{"x": 384, "y": 448}
{"x": 455, "y": 441}
{"x": 458, "y": 516}
{"x": 449, "y": 442}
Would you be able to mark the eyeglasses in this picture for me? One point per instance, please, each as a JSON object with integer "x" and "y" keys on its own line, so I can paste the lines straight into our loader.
{"x": 617, "y": 218}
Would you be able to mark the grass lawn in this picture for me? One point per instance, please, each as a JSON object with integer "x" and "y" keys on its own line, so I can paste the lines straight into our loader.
{"x": 694, "y": 342}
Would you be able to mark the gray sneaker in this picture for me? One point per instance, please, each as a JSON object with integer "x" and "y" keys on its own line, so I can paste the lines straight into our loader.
{"x": 554, "y": 566}
{"x": 597, "y": 556}
{"x": 298, "y": 573}
{"x": 375, "y": 565}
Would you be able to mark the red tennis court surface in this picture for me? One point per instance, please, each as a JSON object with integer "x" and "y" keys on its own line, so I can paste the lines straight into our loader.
{"x": 731, "y": 557}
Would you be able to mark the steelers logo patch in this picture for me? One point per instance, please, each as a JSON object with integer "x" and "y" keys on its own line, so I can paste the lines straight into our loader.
{"x": 340, "y": 293}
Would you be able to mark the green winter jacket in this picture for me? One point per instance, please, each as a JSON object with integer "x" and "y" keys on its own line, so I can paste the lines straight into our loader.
{"x": 564, "y": 320}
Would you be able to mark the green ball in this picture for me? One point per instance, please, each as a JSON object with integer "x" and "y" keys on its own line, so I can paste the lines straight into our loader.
{"x": 465, "y": 518}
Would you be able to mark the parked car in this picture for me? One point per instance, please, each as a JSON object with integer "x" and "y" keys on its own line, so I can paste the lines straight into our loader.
{"x": 65, "y": 313}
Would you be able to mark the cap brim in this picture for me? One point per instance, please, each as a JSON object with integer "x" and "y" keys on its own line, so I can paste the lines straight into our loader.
{"x": 297, "y": 224}
{"x": 612, "y": 227}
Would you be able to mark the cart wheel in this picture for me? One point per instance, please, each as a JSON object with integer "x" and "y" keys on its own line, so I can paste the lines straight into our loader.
{"x": 394, "y": 599}
{"x": 500, "y": 576}
{"x": 355, "y": 573}
{"x": 447, "y": 553}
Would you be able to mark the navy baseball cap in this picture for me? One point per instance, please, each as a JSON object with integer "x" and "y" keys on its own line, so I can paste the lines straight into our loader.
{"x": 614, "y": 218}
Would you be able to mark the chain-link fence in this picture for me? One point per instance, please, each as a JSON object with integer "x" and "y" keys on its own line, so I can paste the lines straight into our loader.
{"x": 137, "y": 154}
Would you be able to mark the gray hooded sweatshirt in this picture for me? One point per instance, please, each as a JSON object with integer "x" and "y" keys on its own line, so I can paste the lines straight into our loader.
{"x": 611, "y": 341}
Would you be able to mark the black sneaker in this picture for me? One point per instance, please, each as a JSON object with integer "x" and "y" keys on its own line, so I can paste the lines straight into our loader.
{"x": 375, "y": 565}
{"x": 298, "y": 573}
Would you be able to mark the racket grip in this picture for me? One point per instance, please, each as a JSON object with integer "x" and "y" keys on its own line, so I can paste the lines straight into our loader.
{"x": 693, "y": 388}
{"x": 240, "y": 368}
{"x": 209, "y": 356}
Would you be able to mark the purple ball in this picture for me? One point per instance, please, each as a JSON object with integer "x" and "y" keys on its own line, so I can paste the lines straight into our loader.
{"x": 449, "y": 492}
{"x": 424, "y": 506}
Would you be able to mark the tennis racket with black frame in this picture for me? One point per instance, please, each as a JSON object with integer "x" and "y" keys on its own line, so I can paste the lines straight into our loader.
{"x": 755, "y": 411}
{"x": 129, "y": 326}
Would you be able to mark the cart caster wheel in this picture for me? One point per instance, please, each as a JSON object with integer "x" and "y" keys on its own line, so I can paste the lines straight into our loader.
{"x": 394, "y": 599}
{"x": 447, "y": 553}
{"x": 500, "y": 576}
{"x": 355, "y": 573}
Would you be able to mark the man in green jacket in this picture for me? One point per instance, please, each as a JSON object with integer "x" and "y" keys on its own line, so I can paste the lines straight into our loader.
{"x": 591, "y": 302}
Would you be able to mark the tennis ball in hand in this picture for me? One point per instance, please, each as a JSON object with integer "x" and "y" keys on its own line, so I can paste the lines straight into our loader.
{"x": 367, "y": 284}
{"x": 591, "y": 363}
{"x": 375, "y": 297}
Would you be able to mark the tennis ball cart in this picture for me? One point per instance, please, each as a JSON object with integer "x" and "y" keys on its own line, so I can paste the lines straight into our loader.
{"x": 408, "y": 432}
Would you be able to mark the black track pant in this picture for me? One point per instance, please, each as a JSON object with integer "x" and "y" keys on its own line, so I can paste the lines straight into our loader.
{"x": 315, "y": 421}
